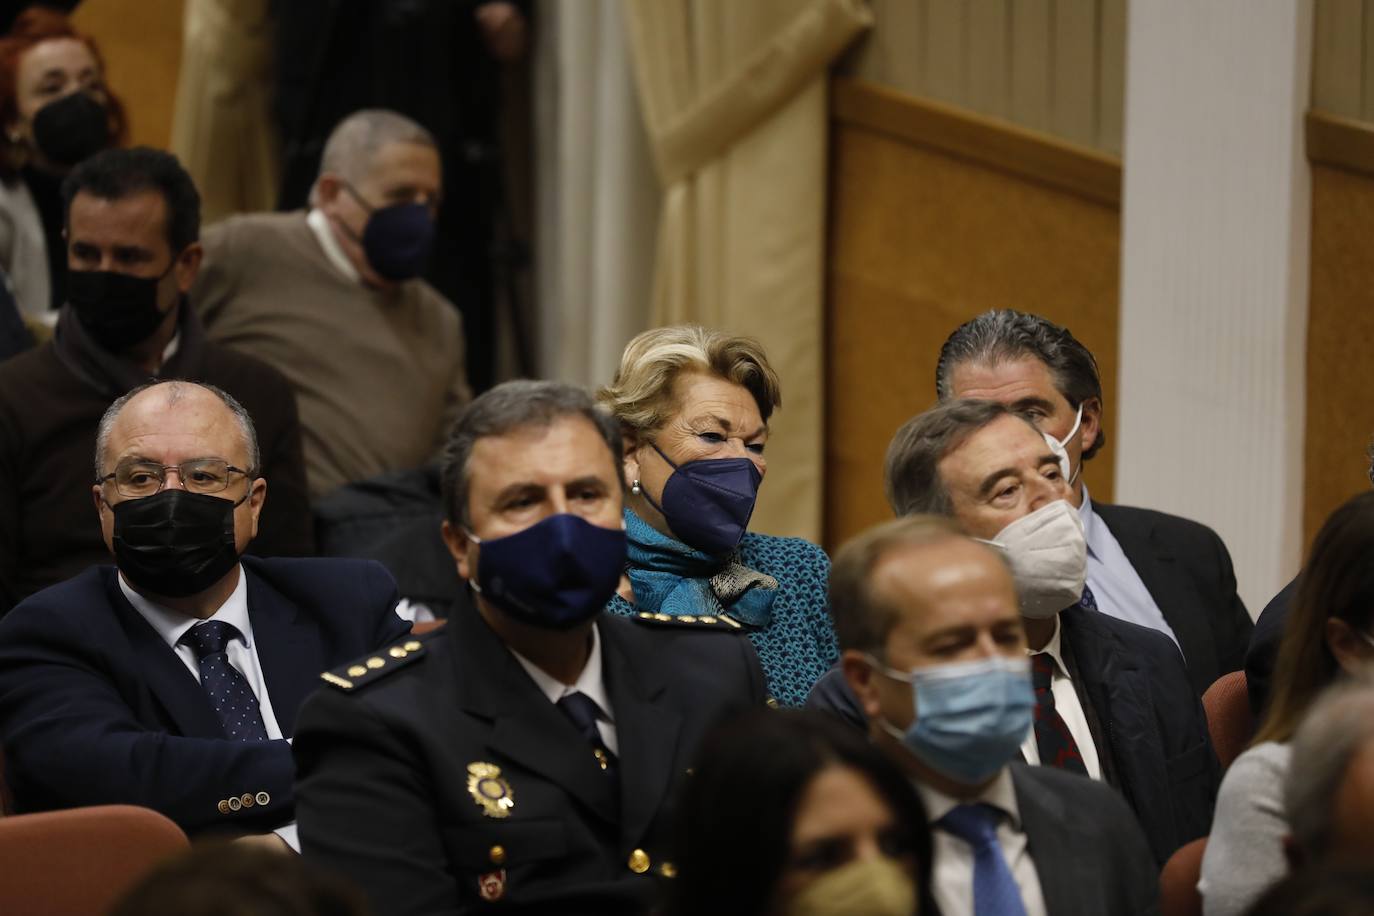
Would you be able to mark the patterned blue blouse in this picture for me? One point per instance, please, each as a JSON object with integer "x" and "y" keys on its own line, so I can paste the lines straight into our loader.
{"x": 798, "y": 644}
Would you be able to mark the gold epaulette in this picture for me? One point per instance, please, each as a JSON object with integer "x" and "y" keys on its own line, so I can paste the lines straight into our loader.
{"x": 373, "y": 666}
{"x": 707, "y": 621}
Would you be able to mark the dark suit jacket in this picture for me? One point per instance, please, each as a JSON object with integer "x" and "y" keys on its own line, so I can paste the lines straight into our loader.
{"x": 1187, "y": 570}
{"x": 1264, "y": 647}
{"x": 1151, "y": 731}
{"x": 385, "y": 797}
{"x": 1086, "y": 846}
{"x": 96, "y": 709}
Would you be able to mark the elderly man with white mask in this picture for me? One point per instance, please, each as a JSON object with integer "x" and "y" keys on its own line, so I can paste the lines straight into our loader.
{"x": 1113, "y": 700}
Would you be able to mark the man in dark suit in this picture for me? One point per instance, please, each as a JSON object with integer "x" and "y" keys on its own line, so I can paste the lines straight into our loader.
{"x": 1113, "y": 698}
{"x": 934, "y": 649}
{"x": 523, "y": 759}
{"x": 172, "y": 680}
{"x": 1160, "y": 571}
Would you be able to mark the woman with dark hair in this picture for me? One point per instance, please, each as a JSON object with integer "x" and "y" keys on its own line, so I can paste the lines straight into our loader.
{"x": 56, "y": 111}
{"x": 1327, "y": 636}
{"x": 792, "y": 813}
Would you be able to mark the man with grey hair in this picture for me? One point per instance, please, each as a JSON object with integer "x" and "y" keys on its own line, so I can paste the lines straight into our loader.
{"x": 172, "y": 679}
{"x": 332, "y": 298}
{"x": 1329, "y": 790}
{"x": 529, "y": 756}
{"x": 1113, "y": 700}
{"x": 1157, "y": 570}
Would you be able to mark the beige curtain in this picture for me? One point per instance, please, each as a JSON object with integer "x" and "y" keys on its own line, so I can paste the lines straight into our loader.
{"x": 222, "y": 126}
{"x": 734, "y": 99}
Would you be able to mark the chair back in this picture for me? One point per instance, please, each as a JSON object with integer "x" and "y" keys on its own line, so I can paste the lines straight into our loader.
{"x": 78, "y": 862}
{"x": 1229, "y": 720}
{"x": 1178, "y": 894}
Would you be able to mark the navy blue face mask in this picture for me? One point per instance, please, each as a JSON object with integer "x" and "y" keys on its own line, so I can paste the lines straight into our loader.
{"x": 708, "y": 502}
{"x": 397, "y": 238}
{"x": 557, "y": 573}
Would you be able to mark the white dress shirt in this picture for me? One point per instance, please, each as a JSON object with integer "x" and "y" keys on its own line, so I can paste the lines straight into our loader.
{"x": 1066, "y": 703}
{"x": 1115, "y": 584}
{"x": 590, "y": 682}
{"x": 319, "y": 224}
{"x": 952, "y": 874}
{"x": 243, "y": 656}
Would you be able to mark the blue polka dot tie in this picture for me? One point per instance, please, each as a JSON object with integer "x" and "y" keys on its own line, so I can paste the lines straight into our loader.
{"x": 229, "y": 692}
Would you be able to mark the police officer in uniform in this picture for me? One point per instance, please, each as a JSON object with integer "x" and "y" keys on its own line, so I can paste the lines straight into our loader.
{"x": 523, "y": 758}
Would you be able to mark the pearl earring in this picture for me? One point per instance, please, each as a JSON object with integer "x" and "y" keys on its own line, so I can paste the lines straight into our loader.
{"x": 634, "y": 487}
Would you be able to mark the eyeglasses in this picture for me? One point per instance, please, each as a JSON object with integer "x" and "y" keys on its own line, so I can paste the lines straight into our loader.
{"x": 199, "y": 475}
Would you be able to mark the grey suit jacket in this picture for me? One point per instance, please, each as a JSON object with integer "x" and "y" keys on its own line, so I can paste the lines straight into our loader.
{"x": 1087, "y": 848}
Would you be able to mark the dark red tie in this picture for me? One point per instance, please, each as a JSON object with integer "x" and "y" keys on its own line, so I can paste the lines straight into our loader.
{"x": 1052, "y": 736}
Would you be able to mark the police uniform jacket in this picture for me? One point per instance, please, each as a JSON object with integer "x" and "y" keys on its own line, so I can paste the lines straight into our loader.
{"x": 444, "y": 781}
{"x": 95, "y": 708}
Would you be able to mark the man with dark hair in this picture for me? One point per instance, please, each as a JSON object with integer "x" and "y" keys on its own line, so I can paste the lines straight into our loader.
{"x": 172, "y": 679}
{"x": 935, "y": 651}
{"x": 1113, "y": 700}
{"x": 132, "y": 225}
{"x": 1160, "y": 571}
{"x": 527, "y": 754}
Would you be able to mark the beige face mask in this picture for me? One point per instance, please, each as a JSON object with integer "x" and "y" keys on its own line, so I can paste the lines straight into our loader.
{"x": 874, "y": 887}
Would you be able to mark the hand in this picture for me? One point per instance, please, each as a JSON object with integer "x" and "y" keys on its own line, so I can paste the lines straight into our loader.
{"x": 503, "y": 29}
{"x": 268, "y": 841}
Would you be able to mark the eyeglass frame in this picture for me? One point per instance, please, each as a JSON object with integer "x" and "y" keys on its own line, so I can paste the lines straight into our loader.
{"x": 164, "y": 468}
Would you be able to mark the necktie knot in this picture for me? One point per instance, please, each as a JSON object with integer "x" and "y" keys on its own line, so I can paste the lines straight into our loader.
{"x": 1042, "y": 671}
{"x": 210, "y": 638}
{"x": 583, "y": 712}
{"x": 1088, "y": 600}
{"x": 974, "y": 824}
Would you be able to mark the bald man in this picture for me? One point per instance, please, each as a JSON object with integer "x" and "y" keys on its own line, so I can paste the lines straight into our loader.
{"x": 172, "y": 679}
{"x": 334, "y": 300}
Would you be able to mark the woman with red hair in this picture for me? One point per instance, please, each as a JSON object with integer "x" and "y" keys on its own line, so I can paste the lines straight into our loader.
{"x": 55, "y": 110}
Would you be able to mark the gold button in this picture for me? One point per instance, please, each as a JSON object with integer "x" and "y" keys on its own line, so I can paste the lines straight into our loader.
{"x": 397, "y": 652}
{"x": 639, "y": 861}
{"x": 413, "y": 646}
{"x": 708, "y": 619}
{"x": 662, "y": 618}
{"x": 223, "y": 806}
{"x": 263, "y": 798}
{"x": 498, "y": 855}
{"x": 357, "y": 671}
{"x": 374, "y": 662}
{"x": 771, "y": 703}
{"x": 246, "y": 799}
{"x": 645, "y": 615}
{"x": 687, "y": 618}
{"x": 668, "y": 870}
{"x": 234, "y": 804}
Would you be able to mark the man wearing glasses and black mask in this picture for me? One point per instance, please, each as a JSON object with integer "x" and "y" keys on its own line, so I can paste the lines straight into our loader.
{"x": 132, "y": 230}
{"x": 172, "y": 680}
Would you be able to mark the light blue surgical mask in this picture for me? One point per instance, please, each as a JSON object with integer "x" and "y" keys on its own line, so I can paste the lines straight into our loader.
{"x": 971, "y": 717}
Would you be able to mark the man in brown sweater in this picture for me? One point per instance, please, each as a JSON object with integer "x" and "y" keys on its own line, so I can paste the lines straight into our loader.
{"x": 332, "y": 299}
{"x": 133, "y": 218}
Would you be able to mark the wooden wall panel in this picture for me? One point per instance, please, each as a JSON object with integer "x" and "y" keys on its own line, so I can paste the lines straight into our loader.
{"x": 1049, "y": 65}
{"x": 923, "y": 239}
{"x": 141, "y": 43}
{"x": 1340, "y": 339}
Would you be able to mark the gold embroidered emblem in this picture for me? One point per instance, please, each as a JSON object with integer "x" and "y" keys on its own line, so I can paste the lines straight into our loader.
{"x": 492, "y": 793}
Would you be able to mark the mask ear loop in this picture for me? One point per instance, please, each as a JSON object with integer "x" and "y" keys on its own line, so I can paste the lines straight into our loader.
{"x": 644, "y": 491}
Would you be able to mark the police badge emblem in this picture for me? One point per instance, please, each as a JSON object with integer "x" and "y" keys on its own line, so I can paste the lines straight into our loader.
{"x": 492, "y": 793}
{"x": 492, "y": 886}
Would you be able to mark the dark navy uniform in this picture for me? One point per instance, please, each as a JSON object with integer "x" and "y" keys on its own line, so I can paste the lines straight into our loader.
{"x": 442, "y": 780}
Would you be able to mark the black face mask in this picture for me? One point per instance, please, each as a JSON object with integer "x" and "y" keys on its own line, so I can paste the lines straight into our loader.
{"x": 71, "y": 129}
{"x": 117, "y": 310}
{"x": 175, "y": 543}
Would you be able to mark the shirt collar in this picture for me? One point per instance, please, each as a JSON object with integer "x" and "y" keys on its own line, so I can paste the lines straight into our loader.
{"x": 333, "y": 251}
{"x": 590, "y": 682}
{"x": 172, "y": 625}
{"x": 1054, "y": 648}
{"x": 1000, "y": 794}
{"x": 1089, "y": 518}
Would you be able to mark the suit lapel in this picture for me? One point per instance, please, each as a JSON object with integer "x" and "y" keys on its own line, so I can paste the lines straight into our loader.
{"x": 526, "y": 727}
{"x": 646, "y": 728}
{"x": 169, "y": 680}
{"x": 1049, "y": 825}
{"x": 288, "y": 647}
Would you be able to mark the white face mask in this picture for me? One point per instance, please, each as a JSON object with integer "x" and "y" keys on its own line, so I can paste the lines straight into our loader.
{"x": 1060, "y": 449}
{"x": 1048, "y": 557}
